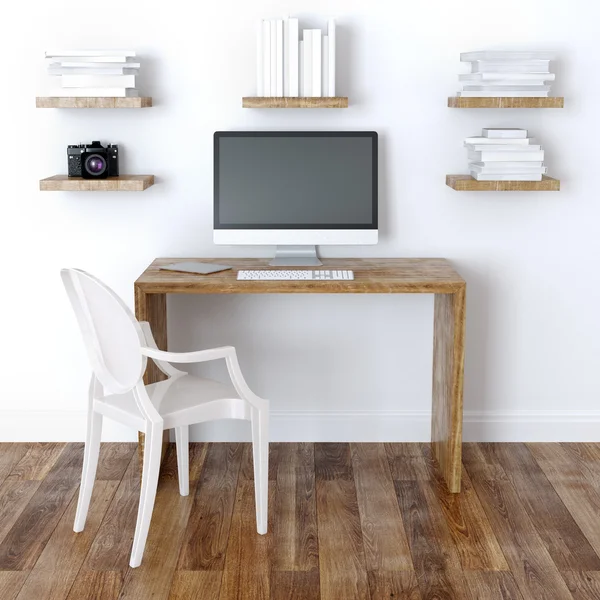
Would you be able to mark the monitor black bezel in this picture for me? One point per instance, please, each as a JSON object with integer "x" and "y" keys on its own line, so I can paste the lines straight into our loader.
{"x": 369, "y": 134}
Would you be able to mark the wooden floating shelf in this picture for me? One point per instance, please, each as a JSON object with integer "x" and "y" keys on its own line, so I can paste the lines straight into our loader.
{"x": 460, "y": 102}
{"x": 466, "y": 183}
{"x": 123, "y": 183}
{"x": 91, "y": 102}
{"x": 272, "y": 102}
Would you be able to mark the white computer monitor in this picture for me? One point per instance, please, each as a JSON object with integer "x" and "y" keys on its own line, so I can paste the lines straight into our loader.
{"x": 295, "y": 190}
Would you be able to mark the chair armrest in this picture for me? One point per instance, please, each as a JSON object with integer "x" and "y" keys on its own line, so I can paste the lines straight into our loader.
{"x": 189, "y": 357}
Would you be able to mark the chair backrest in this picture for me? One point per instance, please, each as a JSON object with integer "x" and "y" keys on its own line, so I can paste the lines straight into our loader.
{"x": 111, "y": 333}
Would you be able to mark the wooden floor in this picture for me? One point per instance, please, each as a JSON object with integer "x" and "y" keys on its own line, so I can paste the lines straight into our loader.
{"x": 346, "y": 522}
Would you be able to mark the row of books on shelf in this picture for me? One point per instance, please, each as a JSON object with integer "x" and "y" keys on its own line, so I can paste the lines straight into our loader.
{"x": 505, "y": 155}
{"x": 506, "y": 73}
{"x": 95, "y": 73}
{"x": 291, "y": 65}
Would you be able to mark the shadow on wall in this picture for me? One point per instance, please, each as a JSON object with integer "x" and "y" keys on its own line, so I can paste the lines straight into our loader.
{"x": 477, "y": 356}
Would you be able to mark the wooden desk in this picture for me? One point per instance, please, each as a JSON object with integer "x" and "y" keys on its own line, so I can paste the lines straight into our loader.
{"x": 371, "y": 276}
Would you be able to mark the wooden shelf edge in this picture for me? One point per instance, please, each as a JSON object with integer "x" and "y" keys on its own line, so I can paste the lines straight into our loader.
{"x": 466, "y": 183}
{"x": 91, "y": 102}
{"x": 123, "y": 183}
{"x": 511, "y": 102}
{"x": 278, "y": 102}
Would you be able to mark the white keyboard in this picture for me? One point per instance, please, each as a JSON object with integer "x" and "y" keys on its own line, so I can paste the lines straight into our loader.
{"x": 293, "y": 275}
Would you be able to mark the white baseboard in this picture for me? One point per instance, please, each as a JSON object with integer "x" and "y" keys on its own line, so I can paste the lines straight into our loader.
{"x": 327, "y": 426}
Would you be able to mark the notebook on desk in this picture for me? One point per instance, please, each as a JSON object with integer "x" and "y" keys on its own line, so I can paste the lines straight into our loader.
{"x": 195, "y": 267}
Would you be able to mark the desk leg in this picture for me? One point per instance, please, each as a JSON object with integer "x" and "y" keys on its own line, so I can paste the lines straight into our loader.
{"x": 152, "y": 308}
{"x": 448, "y": 365}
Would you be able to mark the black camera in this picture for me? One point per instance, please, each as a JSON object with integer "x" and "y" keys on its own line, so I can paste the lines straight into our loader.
{"x": 93, "y": 161}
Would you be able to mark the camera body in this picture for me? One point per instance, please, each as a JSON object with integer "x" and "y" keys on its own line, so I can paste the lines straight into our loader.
{"x": 93, "y": 161}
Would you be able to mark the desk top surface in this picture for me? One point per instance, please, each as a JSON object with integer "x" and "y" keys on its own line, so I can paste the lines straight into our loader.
{"x": 371, "y": 276}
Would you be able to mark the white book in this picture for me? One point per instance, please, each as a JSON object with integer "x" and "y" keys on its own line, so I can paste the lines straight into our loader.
{"x": 508, "y": 167}
{"x": 279, "y": 63}
{"x": 86, "y": 59}
{"x": 506, "y": 88}
{"x": 93, "y": 66}
{"x": 506, "y": 176}
{"x": 487, "y": 140}
{"x": 325, "y": 66}
{"x": 82, "y": 81}
{"x": 316, "y": 63}
{"x": 499, "y": 156}
{"x": 266, "y": 46}
{"x": 503, "y": 132}
{"x": 490, "y": 84}
{"x": 76, "y": 71}
{"x": 515, "y": 94}
{"x": 331, "y": 70}
{"x": 90, "y": 53}
{"x": 301, "y": 68}
{"x": 290, "y": 68}
{"x": 260, "y": 81}
{"x": 504, "y": 147}
{"x": 96, "y": 92}
{"x": 533, "y": 66}
{"x": 537, "y": 77}
{"x": 499, "y": 55}
{"x": 273, "y": 23}
{"x": 307, "y": 63}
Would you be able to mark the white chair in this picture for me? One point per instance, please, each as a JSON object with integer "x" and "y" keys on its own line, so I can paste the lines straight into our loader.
{"x": 118, "y": 347}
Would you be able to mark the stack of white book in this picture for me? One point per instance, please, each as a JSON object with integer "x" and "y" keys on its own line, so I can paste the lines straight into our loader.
{"x": 505, "y": 155}
{"x": 497, "y": 74}
{"x": 290, "y": 63}
{"x": 95, "y": 73}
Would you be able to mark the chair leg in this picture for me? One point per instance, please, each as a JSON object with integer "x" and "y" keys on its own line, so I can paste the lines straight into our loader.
{"x": 182, "y": 440}
{"x": 152, "y": 452}
{"x": 260, "y": 451}
{"x": 88, "y": 473}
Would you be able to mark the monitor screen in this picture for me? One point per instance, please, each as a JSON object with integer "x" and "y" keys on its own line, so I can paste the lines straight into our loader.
{"x": 295, "y": 180}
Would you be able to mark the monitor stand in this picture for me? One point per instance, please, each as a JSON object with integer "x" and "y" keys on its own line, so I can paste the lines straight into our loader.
{"x": 296, "y": 256}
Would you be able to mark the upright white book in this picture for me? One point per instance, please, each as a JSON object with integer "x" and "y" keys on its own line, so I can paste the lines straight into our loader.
{"x": 496, "y": 141}
{"x": 90, "y": 53}
{"x": 266, "y": 48}
{"x": 96, "y": 92}
{"x": 325, "y": 66}
{"x": 290, "y": 67}
{"x": 97, "y": 81}
{"x": 511, "y": 94}
{"x": 260, "y": 81}
{"x": 503, "y": 132}
{"x": 301, "y": 68}
{"x": 501, "y": 55}
{"x": 307, "y": 63}
{"x": 501, "y": 77}
{"x": 87, "y": 59}
{"x": 316, "y": 63}
{"x": 532, "y": 66}
{"x": 279, "y": 58}
{"x": 506, "y": 176}
{"x": 500, "y": 156}
{"x": 331, "y": 51}
{"x": 273, "y": 23}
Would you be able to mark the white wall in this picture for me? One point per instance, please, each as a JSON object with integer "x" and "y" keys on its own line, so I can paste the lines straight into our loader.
{"x": 335, "y": 367}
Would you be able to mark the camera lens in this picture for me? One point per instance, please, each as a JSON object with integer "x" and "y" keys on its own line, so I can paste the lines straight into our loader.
{"x": 95, "y": 164}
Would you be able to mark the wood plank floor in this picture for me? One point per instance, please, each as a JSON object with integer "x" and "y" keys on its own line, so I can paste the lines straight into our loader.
{"x": 346, "y": 522}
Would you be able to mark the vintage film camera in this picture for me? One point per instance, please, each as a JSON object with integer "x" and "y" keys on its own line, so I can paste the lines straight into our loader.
{"x": 93, "y": 161}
